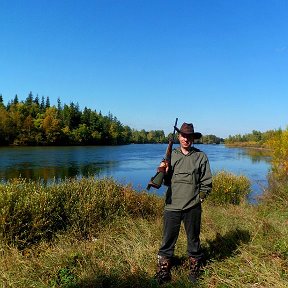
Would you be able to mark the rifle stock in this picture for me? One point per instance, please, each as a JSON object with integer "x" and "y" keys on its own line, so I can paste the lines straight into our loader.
{"x": 157, "y": 179}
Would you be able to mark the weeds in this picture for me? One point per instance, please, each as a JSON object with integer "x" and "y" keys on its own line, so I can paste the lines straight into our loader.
{"x": 31, "y": 212}
{"x": 97, "y": 233}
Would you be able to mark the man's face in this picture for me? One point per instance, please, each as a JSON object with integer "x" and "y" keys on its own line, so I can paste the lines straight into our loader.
{"x": 186, "y": 140}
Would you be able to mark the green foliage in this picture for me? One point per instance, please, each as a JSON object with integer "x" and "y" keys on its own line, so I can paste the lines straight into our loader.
{"x": 211, "y": 139}
{"x": 229, "y": 189}
{"x": 32, "y": 123}
{"x": 65, "y": 279}
{"x": 31, "y": 212}
{"x": 254, "y": 139}
{"x": 5, "y": 125}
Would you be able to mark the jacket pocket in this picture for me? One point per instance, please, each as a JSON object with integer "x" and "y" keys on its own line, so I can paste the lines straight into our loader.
{"x": 183, "y": 177}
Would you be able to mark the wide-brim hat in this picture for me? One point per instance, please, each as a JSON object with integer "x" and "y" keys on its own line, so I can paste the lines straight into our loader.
{"x": 187, "y": 128}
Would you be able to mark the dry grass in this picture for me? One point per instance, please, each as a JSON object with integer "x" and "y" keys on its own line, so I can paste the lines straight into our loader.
{"x": 246, "y": 246}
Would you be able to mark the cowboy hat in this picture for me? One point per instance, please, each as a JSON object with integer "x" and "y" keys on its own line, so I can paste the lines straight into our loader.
{"x": 187, "y": 128}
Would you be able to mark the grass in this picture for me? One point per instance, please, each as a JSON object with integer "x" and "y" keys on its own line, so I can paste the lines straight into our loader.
{"x": 31, "y": 212}
{"x": 116, "y": 246}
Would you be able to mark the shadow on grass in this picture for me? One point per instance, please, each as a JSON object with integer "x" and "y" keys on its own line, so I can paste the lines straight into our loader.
{"x": 136, "y": 280}
{"x": 227, "y": 245}
{"x": 218, "y": 249}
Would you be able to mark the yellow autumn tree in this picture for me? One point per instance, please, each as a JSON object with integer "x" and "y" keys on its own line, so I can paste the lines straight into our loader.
{"x": 51, "y": 125}
{"x": 279, "y": 146}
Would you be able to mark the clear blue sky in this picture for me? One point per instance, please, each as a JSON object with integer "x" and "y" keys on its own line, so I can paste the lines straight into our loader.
{"x": 221, "y": 64}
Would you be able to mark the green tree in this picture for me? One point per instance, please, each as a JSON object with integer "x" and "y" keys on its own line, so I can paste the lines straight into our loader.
{"x": 4, "y": 126}
{"x": 1, "y": 101}
{"x": 115, "y": 132}
{"x": 47, "y": 103}
{"x": 82, "y": 135}
{"x": 127, "y": 134}
{"x": 36, "y": 100}
{"x": 15, "y": 101}
{"x": 29, "y": 100}
{"x": 71, "y": 116}
{"x": 42, "y": 104}
{"x": 211, "y": 139}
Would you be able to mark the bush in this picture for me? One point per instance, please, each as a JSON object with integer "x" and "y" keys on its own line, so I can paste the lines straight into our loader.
{"x": 229, "y": 188}
{"x": 279, "y": 146}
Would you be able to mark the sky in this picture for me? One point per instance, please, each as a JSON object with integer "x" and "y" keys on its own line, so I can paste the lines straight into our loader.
{"x": 220, "y": 64}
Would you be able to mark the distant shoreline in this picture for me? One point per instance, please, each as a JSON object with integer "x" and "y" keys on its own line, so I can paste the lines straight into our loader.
{"x": 237, "y": 145}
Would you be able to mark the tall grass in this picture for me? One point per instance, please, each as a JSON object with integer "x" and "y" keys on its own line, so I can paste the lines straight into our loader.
{"x": 31, "y": 212}
{"x": 103, "y": 234}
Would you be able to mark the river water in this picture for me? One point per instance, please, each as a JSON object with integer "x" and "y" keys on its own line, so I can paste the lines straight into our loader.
{"x": 134, "y": 164}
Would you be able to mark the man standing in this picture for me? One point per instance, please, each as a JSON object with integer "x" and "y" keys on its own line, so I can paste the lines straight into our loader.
{"x": 189, "y": 181}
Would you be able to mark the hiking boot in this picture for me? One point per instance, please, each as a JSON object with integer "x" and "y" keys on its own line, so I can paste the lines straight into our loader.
{"x": 194, "y": 269}
{"x": 163, "y": 273}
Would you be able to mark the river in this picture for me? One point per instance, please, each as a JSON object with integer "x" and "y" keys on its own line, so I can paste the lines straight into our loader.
{"x": 135, "y": 163}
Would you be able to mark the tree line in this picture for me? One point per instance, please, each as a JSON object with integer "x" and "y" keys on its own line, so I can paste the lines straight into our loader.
{"x": 35, "y": 121}
{"x": 255, "y": 138}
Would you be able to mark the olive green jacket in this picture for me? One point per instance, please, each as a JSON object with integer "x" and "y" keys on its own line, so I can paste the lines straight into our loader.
{"x": 189, "y": 177}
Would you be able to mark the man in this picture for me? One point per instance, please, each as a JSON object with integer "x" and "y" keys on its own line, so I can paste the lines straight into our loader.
{"x": 189, "y": 181}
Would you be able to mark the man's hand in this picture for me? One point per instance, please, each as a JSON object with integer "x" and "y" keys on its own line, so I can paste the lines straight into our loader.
{"x": 163, "y": 167}
{"x": 202, "y": 196}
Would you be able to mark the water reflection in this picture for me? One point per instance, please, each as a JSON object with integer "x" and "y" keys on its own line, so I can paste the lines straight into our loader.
{"x": 48, "y": 173}
{"x": 258, "y": 155}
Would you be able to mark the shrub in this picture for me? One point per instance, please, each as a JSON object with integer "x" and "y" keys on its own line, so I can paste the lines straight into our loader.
{"x": 229, "y": 188}
{"x": 279, "y": 146}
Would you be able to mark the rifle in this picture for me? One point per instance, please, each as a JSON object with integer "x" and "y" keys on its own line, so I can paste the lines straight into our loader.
{"x": 156, "y": 181}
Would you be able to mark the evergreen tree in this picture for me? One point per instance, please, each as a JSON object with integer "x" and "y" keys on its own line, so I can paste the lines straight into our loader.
{"x": 36, "y": 100}
{"x": 47, "y": 104}
{"x": 29, "y": 99}
{"x": 59, "y": 105}
{"x": 15, "y": 101}
{"x": 1, "y": 101}
{"x": 42, "y": 105}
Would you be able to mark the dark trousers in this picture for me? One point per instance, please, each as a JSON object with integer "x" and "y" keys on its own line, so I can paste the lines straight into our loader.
{"x": 172, "y": 222}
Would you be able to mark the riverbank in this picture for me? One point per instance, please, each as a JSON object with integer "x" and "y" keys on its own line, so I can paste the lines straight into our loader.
{"x": 245, "y": 246}
{"x": 247, "y": 144}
